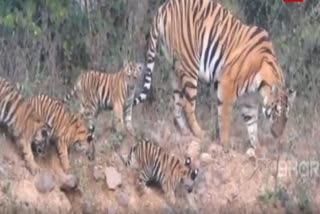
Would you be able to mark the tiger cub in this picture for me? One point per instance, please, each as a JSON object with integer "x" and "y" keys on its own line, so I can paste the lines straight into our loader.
{"x": 22, "y": 124}
{"x": 157, "y": 166}
{"x": 68, "y": 129}
{"x": 105, "y": 91}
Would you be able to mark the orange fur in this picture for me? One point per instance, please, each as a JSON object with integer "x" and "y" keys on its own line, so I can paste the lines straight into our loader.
{"x": 22, "y": 124}
{"x": 211, "y": 45}
{"x": 100, "y": 91}
{"x": 68, "y": 128}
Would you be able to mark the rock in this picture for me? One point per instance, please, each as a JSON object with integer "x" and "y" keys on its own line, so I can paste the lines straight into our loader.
{"x": 113, "y": 178}
{"x": 98, "y": 173}
{"x": 166, "y": 209}
{"x": 27, "y": 198}
{"x": 44, "y": 182}
{"x": 206, "y": 158}
{"x": 68, "y": 182}
{"x": 251, "y": 153}
{"x": 88, "y": 208}
{"x": 122, "y": 198}
{"x": 111, "y": 210}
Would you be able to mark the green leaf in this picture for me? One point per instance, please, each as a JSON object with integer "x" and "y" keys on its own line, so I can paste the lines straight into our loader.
{"x": 9, "y": 21}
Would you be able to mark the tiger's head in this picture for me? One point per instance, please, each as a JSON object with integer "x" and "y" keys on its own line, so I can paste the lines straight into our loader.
{"x": 189, "y": 174}
{"x": 41, "y": 139}
{"x": 133, "y": 71}
{"x": 277, "y": 109}
{"x": 83, "y": 138}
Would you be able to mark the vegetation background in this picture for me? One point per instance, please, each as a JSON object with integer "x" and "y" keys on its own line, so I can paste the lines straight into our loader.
{"x": 45, "y": 43}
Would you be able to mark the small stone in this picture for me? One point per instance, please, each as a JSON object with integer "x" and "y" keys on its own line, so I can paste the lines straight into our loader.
{"x": 88, "y": 208}
{"x": 251, "y": 153}
{"x": 69, "y": 182}
{"x": 110, "y": 210}
{"x": 98, "y": 173}
{"x": 122, "y": 198}
{"x": 206, "y": 158}
{"x": 44, "y": 182}
{"x": 113, "y": 178}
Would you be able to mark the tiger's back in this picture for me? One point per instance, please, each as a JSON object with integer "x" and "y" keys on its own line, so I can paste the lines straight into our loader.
{"x": 23, "y": 124}
{"x": 68, "y": 128}
{"x": 156, "y": 165}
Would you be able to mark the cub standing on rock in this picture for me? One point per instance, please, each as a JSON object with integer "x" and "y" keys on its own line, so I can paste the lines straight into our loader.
{"x": 100, "y": 91}
{"x": 23, "y": 124}
{"x": 158, "y": 166}
{"x": 68, "y": 128}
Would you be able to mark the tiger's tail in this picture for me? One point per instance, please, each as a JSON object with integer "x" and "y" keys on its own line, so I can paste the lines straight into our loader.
{"x": 151, "y": 53}
{"x": 71, "y": 94}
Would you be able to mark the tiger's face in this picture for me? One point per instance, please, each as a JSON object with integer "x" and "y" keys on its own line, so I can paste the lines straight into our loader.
{"x": 41, "y": 140}
{"x": 277, "y": 111}
{"x": 190, "y": 174}
{"x": 133, "y": 71}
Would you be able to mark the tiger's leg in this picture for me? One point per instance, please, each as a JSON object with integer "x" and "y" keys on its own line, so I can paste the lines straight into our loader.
{"x": 63, "y": 155}
{"x": 249, "y": 114}
{"x": 28, "y": 156}
{"x": 128, "y": 112}
{"x": 226, "y": 100}
{"x": 179, "y": 118}
{"x": 88, "y": 112}
{"x": 142, "y": 182}
{"x": 189, "y": 90}
{"x": 118, "y": 110}
{"x": 169, "y": 192}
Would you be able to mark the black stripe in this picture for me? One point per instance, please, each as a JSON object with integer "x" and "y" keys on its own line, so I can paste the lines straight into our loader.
{"x": 262, "y": 84}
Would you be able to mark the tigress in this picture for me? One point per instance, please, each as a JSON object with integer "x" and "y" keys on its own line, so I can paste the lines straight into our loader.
{"x": 157, "y": 165}
{"x": 102, "y": 91}
{"x": 68, "y": 128}
{"x": 205, "y": 41}
{"x": 22, "y": 124}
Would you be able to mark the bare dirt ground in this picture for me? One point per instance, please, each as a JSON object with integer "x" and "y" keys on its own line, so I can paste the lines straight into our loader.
{"x": 227, "y": 183}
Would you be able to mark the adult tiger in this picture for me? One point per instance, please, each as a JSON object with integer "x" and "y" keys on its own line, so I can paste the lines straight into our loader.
{"x": 68, "y": 129}
{"x": 157, "y": 165}
{"x": 22, "y": 124}
{"x": 205, "y": 41}
{"x": 101, "y": 91}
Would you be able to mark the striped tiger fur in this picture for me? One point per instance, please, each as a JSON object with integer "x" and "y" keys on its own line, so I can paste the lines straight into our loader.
{"x": 22, "y": 125}
{"x": 68, "y": 129}
{"x": 205, "y": 42}
{"x": 158, "y": 166}
{"x": 102, "y": 91}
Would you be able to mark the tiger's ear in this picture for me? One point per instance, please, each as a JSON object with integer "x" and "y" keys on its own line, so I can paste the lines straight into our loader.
{"x": 291, "y": 95}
